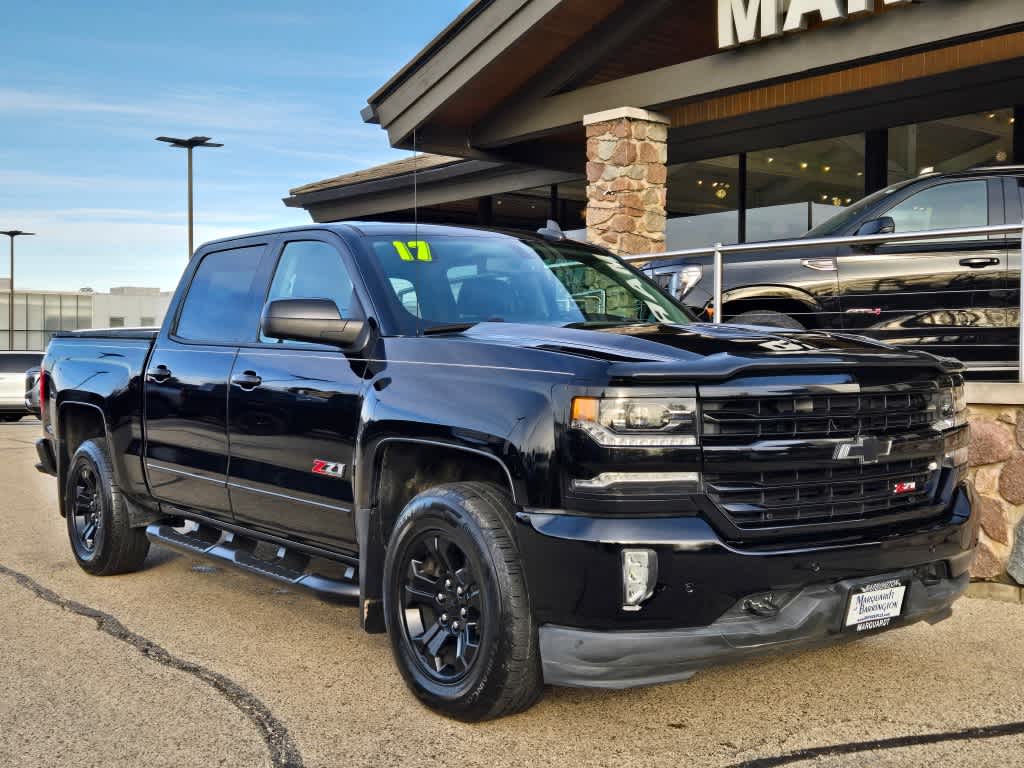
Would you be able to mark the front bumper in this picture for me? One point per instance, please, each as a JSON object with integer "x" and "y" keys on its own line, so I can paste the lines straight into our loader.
{"x": 694, "y": 619}
{"x": 579, "y": 657}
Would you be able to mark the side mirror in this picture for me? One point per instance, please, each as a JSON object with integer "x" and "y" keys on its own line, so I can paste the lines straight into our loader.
{"x": 316, "y": 321}
{"x": 884, "y": 225}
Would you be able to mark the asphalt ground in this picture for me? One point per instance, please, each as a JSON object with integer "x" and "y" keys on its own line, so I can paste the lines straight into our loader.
{"x": 184, "y": 664}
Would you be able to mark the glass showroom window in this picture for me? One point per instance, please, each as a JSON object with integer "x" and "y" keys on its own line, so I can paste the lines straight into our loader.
{"x": 703, "y": 203}
{"x": 950, "y": 144}
{"x": 792, "y": 189}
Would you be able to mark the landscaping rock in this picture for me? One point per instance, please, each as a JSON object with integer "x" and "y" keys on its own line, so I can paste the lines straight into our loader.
{"x": 1011, "y": 480}
{"x": 991, "y": 442}
{"x": 987, "y": 564}
{"x": 986, "y": 479}
{"x": 1016, "y": 565}
{"x": 993, "y": 519}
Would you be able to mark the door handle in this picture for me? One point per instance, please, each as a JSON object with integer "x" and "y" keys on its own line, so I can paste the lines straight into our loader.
{"x": 247, "y": 380}
{"x": 978, "y": 262}
{"x": 159, "y": 374}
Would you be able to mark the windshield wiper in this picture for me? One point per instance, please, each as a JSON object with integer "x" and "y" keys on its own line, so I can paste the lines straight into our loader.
{"x": 458, "y": 327}
{"x": 447, "y": 328}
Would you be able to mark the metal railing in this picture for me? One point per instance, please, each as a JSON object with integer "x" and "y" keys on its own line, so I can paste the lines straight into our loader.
{"x": 719, "y": 251}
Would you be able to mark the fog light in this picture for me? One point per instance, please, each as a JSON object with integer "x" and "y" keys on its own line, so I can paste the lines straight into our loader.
{"x": 639, "y": 575}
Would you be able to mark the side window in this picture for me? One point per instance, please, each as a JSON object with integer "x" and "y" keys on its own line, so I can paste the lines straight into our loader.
{"x": 313, "y": 269}
{"x": 221, "y": 305}
{"x": 946, "y": 206}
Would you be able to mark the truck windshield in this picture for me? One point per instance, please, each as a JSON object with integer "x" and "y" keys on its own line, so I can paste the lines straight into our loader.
{"x": 460, "y": 280}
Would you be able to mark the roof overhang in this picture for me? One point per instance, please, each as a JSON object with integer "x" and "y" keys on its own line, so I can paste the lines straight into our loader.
{"x": 446, "y": 183}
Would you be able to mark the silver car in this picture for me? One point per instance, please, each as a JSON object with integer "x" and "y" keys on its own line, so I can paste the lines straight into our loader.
{"x": 13, "y": 368}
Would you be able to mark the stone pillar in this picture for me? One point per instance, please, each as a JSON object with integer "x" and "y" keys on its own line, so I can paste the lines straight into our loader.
{"x": 627, "y": 152}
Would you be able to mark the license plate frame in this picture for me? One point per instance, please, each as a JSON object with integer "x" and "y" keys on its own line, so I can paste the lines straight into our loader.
{"x": 875, "y": 605}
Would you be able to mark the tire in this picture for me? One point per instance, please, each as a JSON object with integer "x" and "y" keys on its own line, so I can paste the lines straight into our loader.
{"x": 102, "y": 540}
{"x": 768, "y": 318}
{"x": 447, "y": 538}
{"x": 10, "y": 417}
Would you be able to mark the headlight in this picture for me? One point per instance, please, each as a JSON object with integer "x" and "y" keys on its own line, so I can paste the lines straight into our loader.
{"x": 951, "y": 408}
{"x": 637, "y": 422}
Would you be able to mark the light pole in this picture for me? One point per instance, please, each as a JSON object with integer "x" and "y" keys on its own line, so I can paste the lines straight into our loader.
{"x": 12, "y": 233}
{"x": 189, "y": 144}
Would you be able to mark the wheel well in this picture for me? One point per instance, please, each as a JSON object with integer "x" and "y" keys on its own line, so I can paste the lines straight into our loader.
{"x": 78, "y": 423}
{"x": 795, "y": 309}
{"x": 407, "y": 469}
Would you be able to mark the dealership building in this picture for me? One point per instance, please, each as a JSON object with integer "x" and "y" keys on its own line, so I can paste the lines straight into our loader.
{"x": 678, "y": 123}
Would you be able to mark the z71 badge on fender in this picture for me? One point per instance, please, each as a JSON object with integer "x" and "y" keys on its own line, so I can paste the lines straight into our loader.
{"x": 329, "y": 468}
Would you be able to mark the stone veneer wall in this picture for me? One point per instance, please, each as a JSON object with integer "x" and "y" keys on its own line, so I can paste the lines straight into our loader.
{"x": 627, "y": 152}
{"x": 997, "y": 470}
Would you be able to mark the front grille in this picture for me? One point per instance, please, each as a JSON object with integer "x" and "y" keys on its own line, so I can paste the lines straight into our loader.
{"x": 812, "y": 416}
{"x": 770, "y": 459}
{"x": 821, "y": 495}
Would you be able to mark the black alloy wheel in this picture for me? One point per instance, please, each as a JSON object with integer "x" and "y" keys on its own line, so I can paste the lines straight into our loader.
{"x": 443, "y": 613}
{"x": 103, "y": 539}
{"x": 456, "y": 604}
{"x": 86, "y": 511}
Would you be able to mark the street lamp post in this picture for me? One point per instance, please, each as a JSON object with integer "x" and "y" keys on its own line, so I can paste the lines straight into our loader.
{"x": 189, "y": 145}
{"x": 12, "y": 233}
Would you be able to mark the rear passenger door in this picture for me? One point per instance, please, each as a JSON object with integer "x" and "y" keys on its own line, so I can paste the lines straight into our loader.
{"x": 933, "y": 294}
{"x": 186, "y": 379}
{"x": 295, "y": 410}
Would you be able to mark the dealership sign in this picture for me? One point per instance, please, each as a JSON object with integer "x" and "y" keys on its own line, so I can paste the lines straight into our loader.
{"x": 747, "y": 21}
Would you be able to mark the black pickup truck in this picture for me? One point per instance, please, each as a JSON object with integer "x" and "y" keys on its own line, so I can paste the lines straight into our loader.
{"x": 526, "y": 463}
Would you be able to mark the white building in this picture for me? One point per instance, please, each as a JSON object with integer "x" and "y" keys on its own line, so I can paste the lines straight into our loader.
{"x": 38, "y": 314}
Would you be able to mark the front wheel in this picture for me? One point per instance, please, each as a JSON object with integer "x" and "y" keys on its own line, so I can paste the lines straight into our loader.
{"x": 102, "y": 539}
{"x": 456, "y": 604}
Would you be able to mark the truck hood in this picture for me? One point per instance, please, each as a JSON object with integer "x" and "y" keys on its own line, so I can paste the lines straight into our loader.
{"x": 703, "y": 350}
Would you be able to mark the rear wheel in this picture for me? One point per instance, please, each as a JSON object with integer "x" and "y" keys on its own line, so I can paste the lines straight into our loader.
{"x": 102, "y": 540}
{"x": 768, "y": 318}
{"x": 456, "y": 605}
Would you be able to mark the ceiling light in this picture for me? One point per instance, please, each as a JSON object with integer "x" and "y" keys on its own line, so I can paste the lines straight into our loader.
{"x": 803, "y": 166}
{"x": 860, "y": 173}
{"x": 771, "y": 159}
{"x": 827, "y": 168}
{"x": 700, "y": 182}
{"x": 991, "y": 115}
{"x": 721, "y": 193}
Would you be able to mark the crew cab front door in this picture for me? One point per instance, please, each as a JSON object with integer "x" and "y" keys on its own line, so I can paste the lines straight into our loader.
{"x": 295, "y": 411}
{"x": 932, "y": 294}
{"x": 186, "y": 379}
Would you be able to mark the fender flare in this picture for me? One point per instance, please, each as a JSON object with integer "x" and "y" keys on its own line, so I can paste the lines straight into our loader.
{"x": 369, "y": 534}
{"x": 770, "y": 291}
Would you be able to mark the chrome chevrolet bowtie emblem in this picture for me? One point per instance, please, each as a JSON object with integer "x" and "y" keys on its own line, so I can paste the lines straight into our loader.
{"x": 868, "y": 450}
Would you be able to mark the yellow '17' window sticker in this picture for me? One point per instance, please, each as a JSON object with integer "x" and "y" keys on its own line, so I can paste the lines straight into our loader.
{"x": 405, "y": 250}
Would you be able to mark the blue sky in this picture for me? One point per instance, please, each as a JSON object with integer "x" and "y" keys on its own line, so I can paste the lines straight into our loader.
{"x": 85, "y": 88}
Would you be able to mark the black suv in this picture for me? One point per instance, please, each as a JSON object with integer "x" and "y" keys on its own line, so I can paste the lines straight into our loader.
{"x": 958, "y": 297}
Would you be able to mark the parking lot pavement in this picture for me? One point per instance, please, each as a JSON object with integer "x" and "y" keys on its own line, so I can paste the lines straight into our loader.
{"x": 183, "y": 664}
